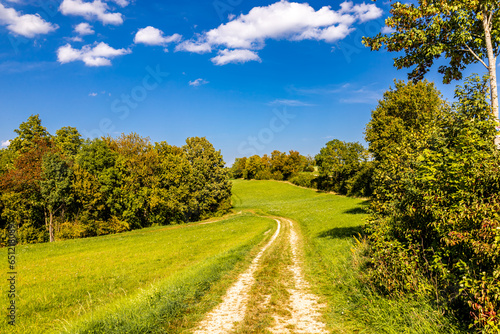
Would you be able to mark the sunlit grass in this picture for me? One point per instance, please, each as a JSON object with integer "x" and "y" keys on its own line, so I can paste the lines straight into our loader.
{"x": 329, "y": 224}
{"x": 96, "y": 281}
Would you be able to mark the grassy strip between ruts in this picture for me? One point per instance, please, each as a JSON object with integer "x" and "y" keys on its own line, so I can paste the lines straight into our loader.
{"x": 133, "y": 282}
{"x": 268, "y": 296}
{"x": 329, "y": 224}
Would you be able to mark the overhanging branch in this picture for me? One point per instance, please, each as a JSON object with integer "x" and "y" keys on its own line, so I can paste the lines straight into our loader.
{"x": 475, "y": 55}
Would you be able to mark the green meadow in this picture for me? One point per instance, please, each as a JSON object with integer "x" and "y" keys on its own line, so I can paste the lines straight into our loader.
{"x": 164, "y": 279}
{"x": 330, "y": 225}
{"x": 133, "y": 282}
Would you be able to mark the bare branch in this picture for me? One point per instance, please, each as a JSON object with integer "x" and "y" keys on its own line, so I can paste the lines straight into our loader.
{"x": 475, "y": 56}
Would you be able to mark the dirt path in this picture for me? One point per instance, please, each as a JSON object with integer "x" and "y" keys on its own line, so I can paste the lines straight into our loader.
{"x": 234, "y": 304}
{"x": 303, "y": 306}
{"x": 303, "y": 311}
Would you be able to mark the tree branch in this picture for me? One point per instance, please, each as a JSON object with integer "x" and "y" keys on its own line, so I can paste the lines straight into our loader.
{"x": 475, "y": 56}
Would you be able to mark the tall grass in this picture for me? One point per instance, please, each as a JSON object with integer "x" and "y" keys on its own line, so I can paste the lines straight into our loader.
{"x": 130, "y": 282}
{"x": 330, "y": 224}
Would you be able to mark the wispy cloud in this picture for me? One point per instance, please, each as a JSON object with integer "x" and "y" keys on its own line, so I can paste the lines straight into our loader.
{"x": 93, "y": 94}
{"x": 347, "y": 93}
{"x": 5, "y": 143}
{"x": 290, "y": 103}
{"x": 235, "y": 56}
{"x": 21, "y": 67}
{"x": 198, "y": 82}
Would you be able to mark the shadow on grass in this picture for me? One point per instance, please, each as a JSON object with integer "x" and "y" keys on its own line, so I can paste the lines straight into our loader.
{"x": 361, "y": 209}
{"x": 342, "y": 232}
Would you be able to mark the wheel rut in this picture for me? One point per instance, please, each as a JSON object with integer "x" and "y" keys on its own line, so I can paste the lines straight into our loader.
{"x": 300, "y": 310}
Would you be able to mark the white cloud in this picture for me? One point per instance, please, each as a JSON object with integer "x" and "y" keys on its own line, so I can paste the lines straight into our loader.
{"x": 121, "y": 3}
{"x": 387, "y": 30}
{"x": 153, "y": 36}
{"x": 83, "y": 29}
{"x": 76, "y": 39}
{"x": 93, "y": 94}
{"x": 91, "y": 10}
{"x": 27, "y": 25}
{"x": 282, "y": 20}
{"x": 363, "y": 12}
{"x": 235, "y": 56}
{"x": 290, "y": 103}
{"x": 97, "y": 55}
{"x": 5, "y": 143}
{"x": 194, "y": 47}
{"x": 198, "y": 82}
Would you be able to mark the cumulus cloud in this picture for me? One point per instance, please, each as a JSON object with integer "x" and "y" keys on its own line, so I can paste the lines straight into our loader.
{"x": 154, "y": 36}
{"x": 97, "y": 10}
{"x": 5, "y": 143}
{"x": 83, "y": 29}
{"x": 27, "y": 25}
{"x": 282, "y": 20}
{"x": 235, "y": 56}
{"x": 97, "y": 55}
{"x": 198, "y": 82}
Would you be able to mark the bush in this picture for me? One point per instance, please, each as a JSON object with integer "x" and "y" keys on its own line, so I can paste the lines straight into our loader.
{"x": 440, "y": 236}
{"x": 304, "y": 180}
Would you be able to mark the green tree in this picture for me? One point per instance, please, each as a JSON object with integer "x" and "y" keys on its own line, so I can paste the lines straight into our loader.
{"x": 253, "y": 167}
{"x": 464, "y": 32}
{"x": 55, "y": 187}
{"x": 28, "y": 134}
{"x": 238, "y": 167}
{"x": 339, "y": 161}
{"x": 401, "y": 125}
{"x": 210, "y": 189}
{"x": 68, "y": 140}
{"x": 440, "y": 238}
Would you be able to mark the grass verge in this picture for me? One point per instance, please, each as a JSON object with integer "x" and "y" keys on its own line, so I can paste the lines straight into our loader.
{"x": 329, "y": 224}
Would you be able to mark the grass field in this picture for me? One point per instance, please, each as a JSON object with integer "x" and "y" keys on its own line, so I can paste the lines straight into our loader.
{"x": 164, "y": 279}
{"x": 329, "y": 224}
{"x": 133, "y": 282}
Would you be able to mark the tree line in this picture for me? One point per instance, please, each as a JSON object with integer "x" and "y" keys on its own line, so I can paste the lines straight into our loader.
{"x": 342, "y": 167}
{"x": 277, "y": 166}
{"x": 61, "y": 186}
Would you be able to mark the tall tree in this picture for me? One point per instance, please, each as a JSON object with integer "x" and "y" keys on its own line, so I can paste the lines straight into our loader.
{"x": 464, "y": 32}
{"x": 55, "y": 186}
{"x": 68, "y": 140}
{"x": 28, "y": 134}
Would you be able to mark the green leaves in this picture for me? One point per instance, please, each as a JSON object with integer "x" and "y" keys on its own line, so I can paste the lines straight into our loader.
{"x": 437, "y": 199}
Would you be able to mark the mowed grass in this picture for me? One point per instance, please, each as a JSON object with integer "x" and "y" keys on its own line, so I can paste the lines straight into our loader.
{"x": 329, "y": 224}
{"x": 134, "y": 282}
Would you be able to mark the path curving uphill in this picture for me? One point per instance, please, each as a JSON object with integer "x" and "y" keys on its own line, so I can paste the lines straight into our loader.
{"x": 303, "y": 310}
{"x": 233, "y": 307}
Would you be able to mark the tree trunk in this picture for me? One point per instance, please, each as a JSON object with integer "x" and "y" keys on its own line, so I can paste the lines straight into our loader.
{"x": 492, "y": 68}
{"x": 51, "y": 226}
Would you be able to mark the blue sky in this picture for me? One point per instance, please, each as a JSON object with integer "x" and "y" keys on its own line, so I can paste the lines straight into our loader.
{"x": 251, "y": 76}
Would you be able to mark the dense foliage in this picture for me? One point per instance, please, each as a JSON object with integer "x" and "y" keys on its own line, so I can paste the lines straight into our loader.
{"x": 341, "y": 167}
{"x": 345, "y": 168}
{"x": 58, "y": 187}
{"x": 436, "y": 229}
{"x": 279, "y": 166}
